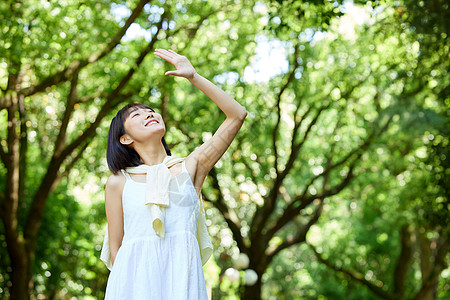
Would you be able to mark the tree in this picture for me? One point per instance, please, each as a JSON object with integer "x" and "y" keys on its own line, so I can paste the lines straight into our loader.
{"x": 342, "y": 97}
{"x": 419, "y": 228}
{"x": 349, "y": 107}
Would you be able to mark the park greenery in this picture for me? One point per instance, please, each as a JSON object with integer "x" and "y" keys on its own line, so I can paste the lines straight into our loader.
{"x": 336, "y": 187}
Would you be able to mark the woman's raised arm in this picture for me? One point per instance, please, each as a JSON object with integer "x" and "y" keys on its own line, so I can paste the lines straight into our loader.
{"x": 203, "y": 158}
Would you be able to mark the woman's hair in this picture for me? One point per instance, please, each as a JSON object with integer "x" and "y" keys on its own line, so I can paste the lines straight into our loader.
{"x": 119, "y": 156}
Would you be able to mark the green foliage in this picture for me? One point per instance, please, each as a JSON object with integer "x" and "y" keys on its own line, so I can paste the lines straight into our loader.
{"x": 69, "y": 245}
{"x": 392, "y": 69}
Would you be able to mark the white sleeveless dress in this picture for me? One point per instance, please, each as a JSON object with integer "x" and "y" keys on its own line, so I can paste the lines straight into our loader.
{"x": 151, "y": 267}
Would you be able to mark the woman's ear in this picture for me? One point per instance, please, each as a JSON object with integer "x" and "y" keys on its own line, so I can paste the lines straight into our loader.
{"x": 125, "y": 140}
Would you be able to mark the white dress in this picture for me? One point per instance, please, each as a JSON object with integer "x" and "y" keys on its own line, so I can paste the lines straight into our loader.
{"x": 151, "y": 267}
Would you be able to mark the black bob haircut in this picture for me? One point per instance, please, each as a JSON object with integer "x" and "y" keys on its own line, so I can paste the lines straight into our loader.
{"x": 119, "y": 156}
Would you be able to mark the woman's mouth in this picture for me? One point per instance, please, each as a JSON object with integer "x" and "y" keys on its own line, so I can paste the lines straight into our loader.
{"x": 151, "y": 122}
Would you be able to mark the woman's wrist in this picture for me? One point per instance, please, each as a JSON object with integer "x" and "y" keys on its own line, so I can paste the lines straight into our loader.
{"x": 194, "y": 77}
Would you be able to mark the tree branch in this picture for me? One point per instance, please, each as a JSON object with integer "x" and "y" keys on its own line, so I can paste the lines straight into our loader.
{"x": 12, "y": 164}
{"x": 431, "y": 265}
{"x": 403, "y": 262}
{"x": 77, "y": 65}
{"x": 244, "y": 159}
{"x": 101, "y": 95}
{"x": 297, "y": 146}
{"x": 292, "y": 210}
{"x": 23, "y": 149}
{"x": 278, "y": 108}
{"x": 69, "y": 167}
{"x": 263, "y": 211}
{"x": 301, "y": 234}
{"x": 71, "y": 99}
{"x": 352, "y": 274}
{"x": 228, "y": 214}
{"x": 356, "y": 150}
{"x": 266, "y": 210}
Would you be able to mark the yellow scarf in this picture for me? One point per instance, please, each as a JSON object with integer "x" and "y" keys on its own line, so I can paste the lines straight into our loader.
{"x": 157, "y": 189}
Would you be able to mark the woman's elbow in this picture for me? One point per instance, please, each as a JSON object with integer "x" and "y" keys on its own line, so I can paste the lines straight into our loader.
{"x": 242, "y": 114}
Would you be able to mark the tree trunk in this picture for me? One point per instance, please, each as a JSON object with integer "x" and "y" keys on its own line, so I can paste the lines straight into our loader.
{"x": 432, "y": 264}
{"x": 16, "y": 244}
{"x": 253, "y": 292}
{"x": 428, "y": 292}
{"x": 429, "y": 288}
{"x": 403, "y": 262}
{"x": 20, "y": 277}
{"x": 21, "y": 260}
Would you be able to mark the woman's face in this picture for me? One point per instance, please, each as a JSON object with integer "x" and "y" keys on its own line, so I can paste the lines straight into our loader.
{"x": 141, "y": 125}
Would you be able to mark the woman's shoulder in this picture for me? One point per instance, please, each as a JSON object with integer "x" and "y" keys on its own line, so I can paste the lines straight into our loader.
{"x": 116, "y": 182}
{"x": 190, "y": 162}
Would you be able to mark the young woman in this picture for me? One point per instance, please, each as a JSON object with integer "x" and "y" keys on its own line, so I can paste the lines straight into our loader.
{"x": 156, "y": 239}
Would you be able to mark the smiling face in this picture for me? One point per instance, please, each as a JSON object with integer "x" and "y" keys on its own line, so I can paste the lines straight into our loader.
{"x": 142, "y": 124}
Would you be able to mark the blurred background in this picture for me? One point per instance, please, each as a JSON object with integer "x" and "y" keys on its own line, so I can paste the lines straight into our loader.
{"x": 336, "y": 187}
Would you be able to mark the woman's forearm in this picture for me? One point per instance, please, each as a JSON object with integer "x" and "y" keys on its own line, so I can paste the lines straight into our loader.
{"x": 227, "y": 104}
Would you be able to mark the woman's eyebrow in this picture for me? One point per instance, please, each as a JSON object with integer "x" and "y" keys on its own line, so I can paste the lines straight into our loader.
{"x": 133, "y": 113}
{"x": 144, "y": 109}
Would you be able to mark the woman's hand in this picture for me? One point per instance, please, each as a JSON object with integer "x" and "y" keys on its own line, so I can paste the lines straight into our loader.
{"x": 181, "y": 63}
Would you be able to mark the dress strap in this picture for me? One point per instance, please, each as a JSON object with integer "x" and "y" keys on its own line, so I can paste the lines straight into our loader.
{"x": 126, "y": 174}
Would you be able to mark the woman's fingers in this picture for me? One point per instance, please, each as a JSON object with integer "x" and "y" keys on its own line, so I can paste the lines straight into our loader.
{"x": 168, "y": 53}
{"x": 175, "y": 73}
{"x": 170, "y": 50}
{"x": 181, "y": 63}
{"x": 164, "y": 52}
{"x": 165, "y": 56}
{"x": 171, "y": 56}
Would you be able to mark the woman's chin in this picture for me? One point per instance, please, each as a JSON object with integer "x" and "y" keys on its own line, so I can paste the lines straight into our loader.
{"x": 155, "y": 134}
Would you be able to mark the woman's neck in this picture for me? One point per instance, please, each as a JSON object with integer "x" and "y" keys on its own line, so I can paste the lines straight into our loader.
{"x": 152, "y": 155}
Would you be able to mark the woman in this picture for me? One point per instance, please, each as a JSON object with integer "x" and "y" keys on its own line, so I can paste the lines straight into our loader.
{"x": 156, "y": 239}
